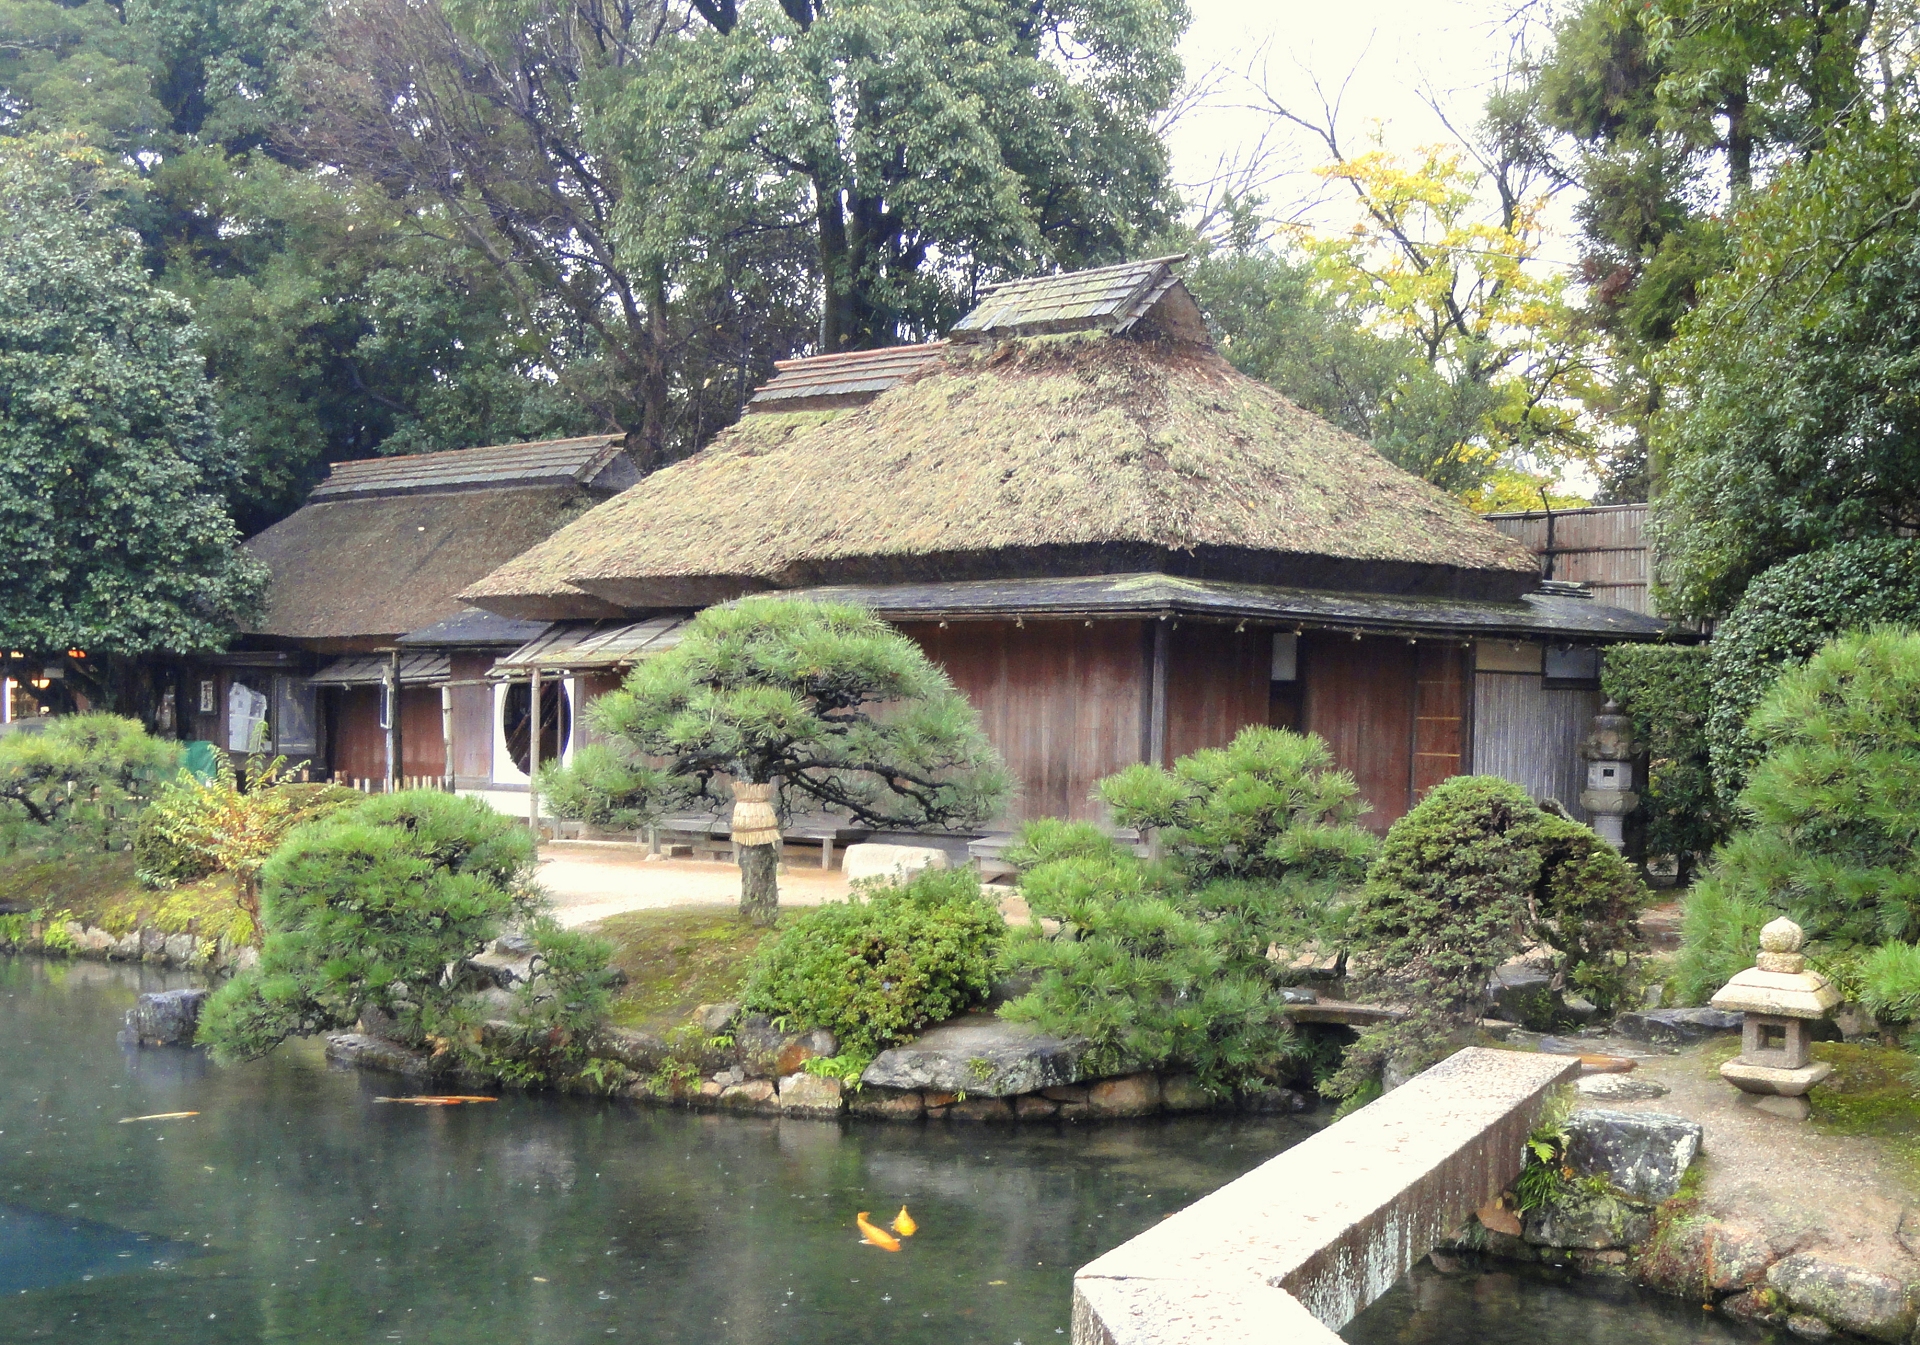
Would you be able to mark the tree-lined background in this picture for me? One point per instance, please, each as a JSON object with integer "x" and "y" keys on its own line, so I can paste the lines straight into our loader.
{"x": 1672, "y": 252}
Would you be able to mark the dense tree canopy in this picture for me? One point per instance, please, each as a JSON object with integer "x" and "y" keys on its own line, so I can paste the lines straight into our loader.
{"x": 113, "y": 533}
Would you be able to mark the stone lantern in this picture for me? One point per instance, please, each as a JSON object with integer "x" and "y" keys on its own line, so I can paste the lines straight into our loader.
{"x": 1609, "y": 797}
{"x": 1782, "y": 1000}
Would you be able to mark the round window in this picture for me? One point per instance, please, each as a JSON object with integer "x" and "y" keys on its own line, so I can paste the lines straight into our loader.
{"x": 556, "y": 722}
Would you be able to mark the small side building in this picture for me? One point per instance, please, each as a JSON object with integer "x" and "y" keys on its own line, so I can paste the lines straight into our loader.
{"x": 365, "y": 578}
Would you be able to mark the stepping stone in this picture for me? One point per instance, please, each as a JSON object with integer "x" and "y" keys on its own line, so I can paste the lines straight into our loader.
{"x": 979, "y": 1055}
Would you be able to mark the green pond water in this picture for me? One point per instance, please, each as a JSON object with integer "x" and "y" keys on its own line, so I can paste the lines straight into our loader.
{"x": 296, "y": 1207}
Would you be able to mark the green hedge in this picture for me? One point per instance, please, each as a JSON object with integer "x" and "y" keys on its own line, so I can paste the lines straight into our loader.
{"x": 1667, "y": 691}
{"x": 1788, "y": 613}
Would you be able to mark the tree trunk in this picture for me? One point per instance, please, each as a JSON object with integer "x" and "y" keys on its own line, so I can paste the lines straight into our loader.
{"x": 759, "y": 883}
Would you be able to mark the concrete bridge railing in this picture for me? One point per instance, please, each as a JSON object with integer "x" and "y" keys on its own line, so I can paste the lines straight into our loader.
{"x": 1291, "y": 1252}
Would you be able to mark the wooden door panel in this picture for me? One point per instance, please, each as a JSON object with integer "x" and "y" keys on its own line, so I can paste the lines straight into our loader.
{"x": 1359, "y": 696}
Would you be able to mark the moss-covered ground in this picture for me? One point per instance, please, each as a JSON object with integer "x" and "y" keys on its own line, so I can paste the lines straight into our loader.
{"x": 98, "y": 888}
{"x": 1873, "y": 1091}
{"x": 677, "y": 959}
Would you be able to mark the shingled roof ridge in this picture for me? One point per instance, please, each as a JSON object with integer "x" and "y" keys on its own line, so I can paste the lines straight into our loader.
{"x": 842, "y": 357}
{"x": 1171, "y": 259}
{"x": 579, "y": 458}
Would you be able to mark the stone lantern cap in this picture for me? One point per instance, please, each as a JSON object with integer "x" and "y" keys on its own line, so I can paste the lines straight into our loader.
{"x": 1779, "y": 984}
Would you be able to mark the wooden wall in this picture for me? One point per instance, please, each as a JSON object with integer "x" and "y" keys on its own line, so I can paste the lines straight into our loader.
{"x": 472, "y": 721}
{"x": 1394, "y": 713}
{"x": 1603, "y": 546}
{"x": 1218, "y": 682}
{"x": 359, "y": 744}
{"x": 1530, "y": 735}
{"x": 1064, "y": 702}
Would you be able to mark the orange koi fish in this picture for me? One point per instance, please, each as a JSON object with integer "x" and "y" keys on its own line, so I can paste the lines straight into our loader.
{"x": 873, "y": 1234}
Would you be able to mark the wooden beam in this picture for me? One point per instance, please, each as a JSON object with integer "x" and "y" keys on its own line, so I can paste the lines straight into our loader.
{"x": 1157, "y": 697}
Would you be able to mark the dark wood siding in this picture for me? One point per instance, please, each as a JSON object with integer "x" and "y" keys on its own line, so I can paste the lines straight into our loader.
{"x": 1062, "y": 701}
{"x": 1359, "y": 696}
{"x": 1218, "y": 682}
{"x": 472, "y": 720}
{"x": 423, "y": 745}
{"x": 359, "y": 743}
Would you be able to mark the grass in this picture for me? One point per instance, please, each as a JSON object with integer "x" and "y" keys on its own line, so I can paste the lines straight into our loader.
{"x": 98, "y": 888}
{"x": 677, "y": 959}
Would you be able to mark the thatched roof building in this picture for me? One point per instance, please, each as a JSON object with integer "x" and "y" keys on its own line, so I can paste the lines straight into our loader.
{"x": 1071, "y": 452}
{"x": 383, "y": 545}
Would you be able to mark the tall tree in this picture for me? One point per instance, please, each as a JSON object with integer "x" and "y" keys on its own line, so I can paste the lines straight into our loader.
{"x": 114, "y": 538}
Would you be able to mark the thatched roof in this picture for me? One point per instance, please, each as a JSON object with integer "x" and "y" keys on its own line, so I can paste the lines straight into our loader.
{"x": 1105, "y": 299}
{"x": 1058, "y": 455}
{"x": 384, "y": 546}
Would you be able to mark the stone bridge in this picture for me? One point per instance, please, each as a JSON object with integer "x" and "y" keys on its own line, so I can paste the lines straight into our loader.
{"x": 1291, "y": 1252}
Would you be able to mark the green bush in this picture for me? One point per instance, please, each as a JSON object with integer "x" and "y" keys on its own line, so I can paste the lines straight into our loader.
{"x": 602, "y": 788}
{"x": 555, "y": 1015}
{"x": 1463, "y": 882}
{"x": 1667, "y": 691}
{"x": 1785, "y": 615}
{"x": 1833, "y": 815}
{"x": 1269, "y": 806}
{"x": 364, "y": 910}
{"x": 1135, "y": 973}
{"x": 195, "y": 828}
{"x": 881, "y": 965}
{"x": 82, "y": 778}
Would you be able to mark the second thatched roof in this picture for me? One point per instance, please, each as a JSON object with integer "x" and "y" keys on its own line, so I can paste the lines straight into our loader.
{"x": 1083, "y": 454}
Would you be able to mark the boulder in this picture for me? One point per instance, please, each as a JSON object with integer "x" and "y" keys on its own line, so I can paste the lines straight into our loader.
{"x": 753, "y": 1095}
{"x": 764, "y": 1049}
{"x": 979, "y": 1055}
{"x": 713, "y": 1018}
{"x": 979, "y": 1109}
{"x": 166, "y": 1017}
{"x": 1523, "y": 993}
{"x": 1182, "y": 1092}
{"x": 1588, "y": 1222}
{"x": 1677, "y": 1027}
{"x": 1643, "y": 1154}
{"x": 361, "y": 1050}
{"x": 1699, "y": 1258}
{"x": 1034, "y": 1107}
{"x": 810, "y": 1095}
{"x": 886, "y": 1104}
{"x": 870, "y": 859}
{"x": 1269, "y": 1101}
{"x": 1861, "y": 1301}
{"x": 641, "y": 1052}
{"x": 1810, "y": 1328}
{"x": 1130, "y": 1095}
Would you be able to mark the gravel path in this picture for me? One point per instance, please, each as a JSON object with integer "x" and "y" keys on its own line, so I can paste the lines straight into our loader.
{"x": 589, "y": 881}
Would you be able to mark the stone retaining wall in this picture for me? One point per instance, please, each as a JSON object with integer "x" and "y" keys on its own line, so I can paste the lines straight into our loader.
{"x": 145, "y": 944}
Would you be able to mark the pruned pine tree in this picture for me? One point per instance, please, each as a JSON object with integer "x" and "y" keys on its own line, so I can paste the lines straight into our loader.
{"x": 769, "y": 702}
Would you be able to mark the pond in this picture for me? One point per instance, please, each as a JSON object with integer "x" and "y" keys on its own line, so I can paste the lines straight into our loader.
{"x": 297, "y": 1207}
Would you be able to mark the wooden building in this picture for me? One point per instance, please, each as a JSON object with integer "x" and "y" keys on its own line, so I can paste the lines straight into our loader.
{"x": 1120, "y": 548}
{"x": 364, "y": 585}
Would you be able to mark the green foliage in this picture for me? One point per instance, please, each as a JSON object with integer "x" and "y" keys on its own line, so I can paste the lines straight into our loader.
{"x": 1137, "y": 975}
{"x": 1667, "y": 691}
{"x": 550, "y": 1032}
{"x": 195, "y": 828}
{"x": 83, "y": 778}
{"x": 1795, "y": 428}
{"x": 878, "y": 967}
{"x": 1890, "y": 983}
{"x": 114, "y": 534}
{"x": 1719, "y": 934}
{"x": 1463, "y": 882}
{"x": 604, "y": 788}
{"x": 364, "y": 909}
{"x": 1269, "y": 806}
{"x": 1785, "y": 615}
{"x": 1832, "y": 809}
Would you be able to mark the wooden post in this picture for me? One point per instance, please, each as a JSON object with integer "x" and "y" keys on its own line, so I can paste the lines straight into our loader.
{"x": 391, "y": 689}
{"x": 446, "y": 735}
{"x": 1157, "y": 697}
{"x": 533, "y": 752}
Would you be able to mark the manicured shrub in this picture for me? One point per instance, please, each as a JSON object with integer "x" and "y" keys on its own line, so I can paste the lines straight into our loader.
{"x": 1463, "y": 882}
{"x": 1832, "y": 811}
{"x": 602, "y": 788}
{"x": 1667, "y": 691}
{"x": 365, "y": 910}
{"x": 880, "y": 966}
{"x": 1135, "y": 973}
{"x": 1786, "y": 614}
{"x": 82, "y": 778}
{"x": 1269, "y": 806}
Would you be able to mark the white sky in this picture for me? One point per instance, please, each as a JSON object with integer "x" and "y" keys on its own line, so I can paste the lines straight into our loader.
{"x": 1386, "y": 52}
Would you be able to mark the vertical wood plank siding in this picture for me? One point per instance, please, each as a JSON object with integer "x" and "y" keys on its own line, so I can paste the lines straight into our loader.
{"x": 1527, "y": 734}
{"x": 359, "y": 743}
{"x": 472, "y": 720}
{"x": 423, "y": 743}
{"x": 1603, "y": 546}
{"x": 1359, "y": 696}
{"x": 1217, "y": 684}
{"x": 1062, "y": 701}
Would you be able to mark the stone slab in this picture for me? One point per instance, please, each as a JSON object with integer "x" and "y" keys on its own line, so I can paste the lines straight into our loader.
{"x": 1334, "y": 1221}
{"x": 166, "y": 1017}
{"x": 1643, "y": 1154}
{"x": 362, "y": 1050}
{"x": 1677, "y": 1027}
{"x": 1774, "y": 1081}
{"x": 979, "y": 1055}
